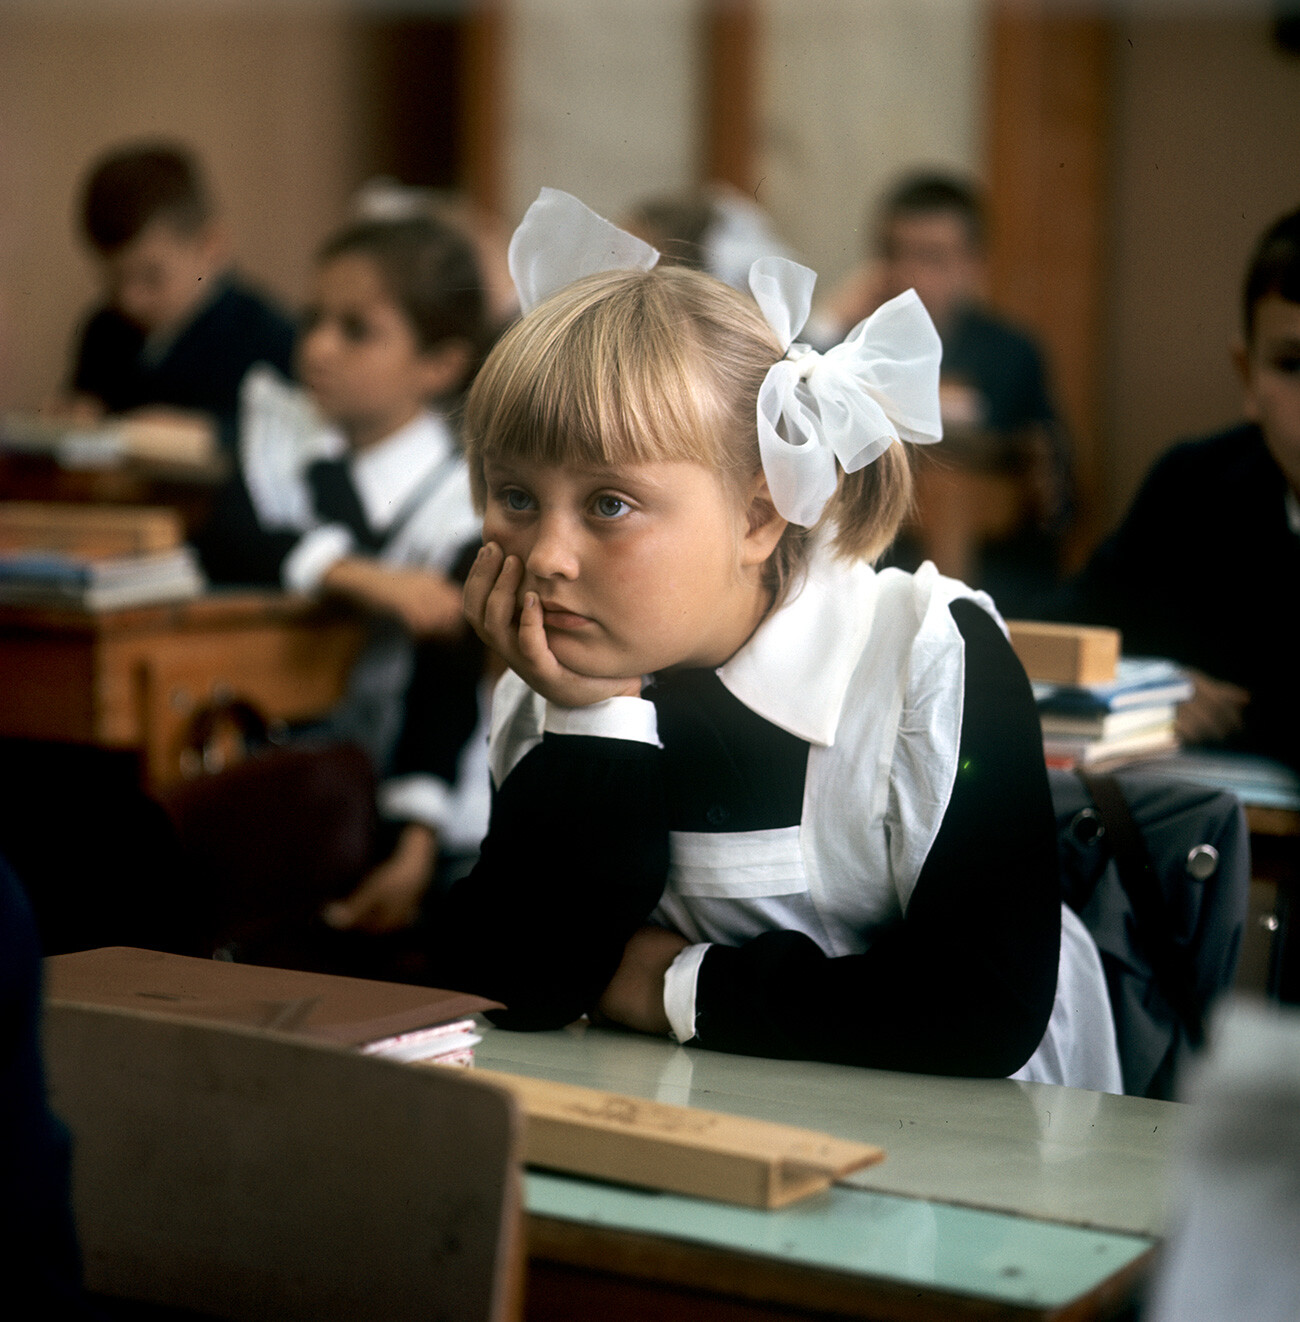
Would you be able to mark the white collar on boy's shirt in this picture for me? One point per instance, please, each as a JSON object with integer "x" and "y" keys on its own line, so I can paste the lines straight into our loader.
{"x": 388, "y": 474}
{"x": 795, "y": 670}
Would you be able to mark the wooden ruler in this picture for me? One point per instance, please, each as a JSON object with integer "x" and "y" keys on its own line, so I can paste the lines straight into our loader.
{"x": 729, "y": 1158}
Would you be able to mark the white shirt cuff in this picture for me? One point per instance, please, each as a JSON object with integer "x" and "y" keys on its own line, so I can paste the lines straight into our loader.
{"x": 679, "y": 991}
{"x": 315, "y": 555}
{"x": 423, "y": 799}
{"x": 615, "y": 718}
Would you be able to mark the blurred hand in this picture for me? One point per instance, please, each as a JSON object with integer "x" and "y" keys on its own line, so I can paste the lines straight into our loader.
{"x": 389, "y": 898}
{"x": 429, "y": 604}
{"x": 635, "y": 995}
{"x": 1215, "y": 710}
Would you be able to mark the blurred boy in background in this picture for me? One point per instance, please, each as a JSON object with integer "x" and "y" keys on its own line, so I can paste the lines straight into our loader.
{"x": 995, "y": 506}
{"x": 177, "y": 330}
{"x": 1205, "y": 567}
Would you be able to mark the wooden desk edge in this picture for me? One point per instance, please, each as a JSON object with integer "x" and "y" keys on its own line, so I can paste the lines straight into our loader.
{"x": 1273, "y": 821}
{"x": 558, "y": 1248}
{"x": 234, "y": 608}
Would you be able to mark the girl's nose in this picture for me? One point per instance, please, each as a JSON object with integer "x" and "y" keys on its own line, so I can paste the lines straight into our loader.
{"x": 554, "y": 552}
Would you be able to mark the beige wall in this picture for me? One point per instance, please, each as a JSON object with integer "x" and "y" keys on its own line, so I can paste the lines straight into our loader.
{"x": 1207, "y": 154}
{"x": 265, "y": 98}
{"x": 852, "y": 93}
{"x": 600, "y": 100}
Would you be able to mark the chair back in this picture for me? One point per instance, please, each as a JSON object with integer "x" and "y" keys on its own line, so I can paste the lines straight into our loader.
{"x": 248, "y": 1175}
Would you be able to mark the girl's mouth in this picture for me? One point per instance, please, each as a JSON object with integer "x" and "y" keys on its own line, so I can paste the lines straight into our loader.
{"x": 555, "y": 616}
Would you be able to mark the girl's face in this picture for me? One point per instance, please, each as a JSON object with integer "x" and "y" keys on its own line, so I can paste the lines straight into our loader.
{"x": 358, "y": 355}
{"x": 638, "y": 567}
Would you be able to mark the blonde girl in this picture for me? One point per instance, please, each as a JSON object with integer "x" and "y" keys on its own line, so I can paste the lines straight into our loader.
{"x": 750, "y": 792}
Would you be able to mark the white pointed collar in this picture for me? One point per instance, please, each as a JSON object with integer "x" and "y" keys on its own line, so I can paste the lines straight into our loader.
{"x": 795, "y": 669}
{"x": 386, "y": 475}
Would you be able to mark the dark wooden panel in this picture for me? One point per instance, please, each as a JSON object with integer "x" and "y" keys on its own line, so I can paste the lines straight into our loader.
{"x": 1048, "y": 144}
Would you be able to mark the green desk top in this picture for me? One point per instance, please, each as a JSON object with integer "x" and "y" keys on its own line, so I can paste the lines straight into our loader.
{"x": 955, "y": 1250}
{"x": 1028, "y": 1151}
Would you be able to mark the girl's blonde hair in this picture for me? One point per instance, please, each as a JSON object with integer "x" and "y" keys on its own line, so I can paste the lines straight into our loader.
{"x": 643, "y": 366}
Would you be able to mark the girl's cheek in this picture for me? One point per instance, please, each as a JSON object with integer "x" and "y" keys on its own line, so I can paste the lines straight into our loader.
{"x": 499, "y": 530}
{"x": 493, "y": 530}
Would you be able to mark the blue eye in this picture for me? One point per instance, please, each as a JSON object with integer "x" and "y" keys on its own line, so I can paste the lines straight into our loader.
{"x": 516, "y": 501}
{"x": 609, "y": 507}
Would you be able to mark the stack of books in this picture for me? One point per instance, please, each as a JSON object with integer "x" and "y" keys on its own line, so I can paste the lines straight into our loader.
{"x": 1129, "y": 717}
{"x": 404, "y": 1023}
{"x": 94, "y": 557}
{"x": 1098, "y": 707}
{"x": 171, "y": 441}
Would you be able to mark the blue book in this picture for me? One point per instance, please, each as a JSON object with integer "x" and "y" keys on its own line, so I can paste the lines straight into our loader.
{"x": 1140, "y": 681}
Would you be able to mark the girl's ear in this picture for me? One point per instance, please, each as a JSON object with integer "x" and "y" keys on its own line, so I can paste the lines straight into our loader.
{"x": 445, "y": 366}
{"x": 764, "y": 525}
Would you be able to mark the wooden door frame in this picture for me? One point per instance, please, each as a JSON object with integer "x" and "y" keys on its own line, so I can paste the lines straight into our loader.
{"x": 1047, "y": 171}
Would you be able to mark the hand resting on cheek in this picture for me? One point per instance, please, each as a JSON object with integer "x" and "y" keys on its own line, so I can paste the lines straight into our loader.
{"x": 518, "y": 633}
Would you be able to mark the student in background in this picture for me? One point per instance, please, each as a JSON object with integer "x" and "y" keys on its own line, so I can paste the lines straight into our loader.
{"x": 749, "y": 790}
{"x": 178, "y": 330}
{"x": 355, "y": 486}
{"x": 1205, "y": 567}
{"x": 930, "y": 234}
{"x": 717, "y": 229}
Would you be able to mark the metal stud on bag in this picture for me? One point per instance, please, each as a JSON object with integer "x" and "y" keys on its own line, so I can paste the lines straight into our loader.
{"x": 1202, "y": 862}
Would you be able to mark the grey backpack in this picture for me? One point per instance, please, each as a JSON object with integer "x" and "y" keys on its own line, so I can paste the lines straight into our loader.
{"x": 1159, "y": 871}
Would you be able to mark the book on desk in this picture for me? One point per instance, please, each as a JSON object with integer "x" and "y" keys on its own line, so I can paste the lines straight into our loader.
{"x": 94, "y": 557}
{"x": 173, "y": 440}
{"x": 401, "y": 1022}
{"x": 1098, "y": 708}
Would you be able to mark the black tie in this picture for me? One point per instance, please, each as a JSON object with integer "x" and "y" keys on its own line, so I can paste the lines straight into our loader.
{"x": 336, "y": 501}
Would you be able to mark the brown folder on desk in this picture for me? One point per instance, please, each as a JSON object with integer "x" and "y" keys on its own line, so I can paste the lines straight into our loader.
{"x": 353, "y": 1012}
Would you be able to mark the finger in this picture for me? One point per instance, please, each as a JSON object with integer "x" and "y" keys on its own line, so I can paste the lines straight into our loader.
{"x": 479, "y": 582}
{"x": 533, "y": 642}
{"x": 500, "y": 608}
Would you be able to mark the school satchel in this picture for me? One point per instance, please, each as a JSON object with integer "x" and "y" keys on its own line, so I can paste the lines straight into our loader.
{"x": 270, "y": 831}
{"x": 1159, "y": 871}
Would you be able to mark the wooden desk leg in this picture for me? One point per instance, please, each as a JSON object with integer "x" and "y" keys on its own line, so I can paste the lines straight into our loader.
{"x": 165, "y": 711}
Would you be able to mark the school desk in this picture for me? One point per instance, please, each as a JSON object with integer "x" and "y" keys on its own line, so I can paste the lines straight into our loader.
{"x": 134, "y": 678}
{"x": 996, "y": 1200}
{"x": 187, "y": 488}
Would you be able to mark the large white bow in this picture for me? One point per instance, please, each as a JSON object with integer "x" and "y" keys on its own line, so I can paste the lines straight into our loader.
{"x": 560, "y": 240}
{"x": 850, "y": 403}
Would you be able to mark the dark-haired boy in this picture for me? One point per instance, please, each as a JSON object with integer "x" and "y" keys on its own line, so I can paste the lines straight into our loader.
{"x": 1205, "y": 567}
{"x": 177, "y": 328}
{"x": 930, "y": 234}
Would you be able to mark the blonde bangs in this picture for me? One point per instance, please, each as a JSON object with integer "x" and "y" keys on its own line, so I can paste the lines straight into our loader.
{"x": 615, "y": 369}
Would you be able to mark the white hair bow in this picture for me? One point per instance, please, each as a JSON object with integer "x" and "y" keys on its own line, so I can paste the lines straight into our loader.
{"x": 851, "y": 403}
{"x": 560, "y": 240}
